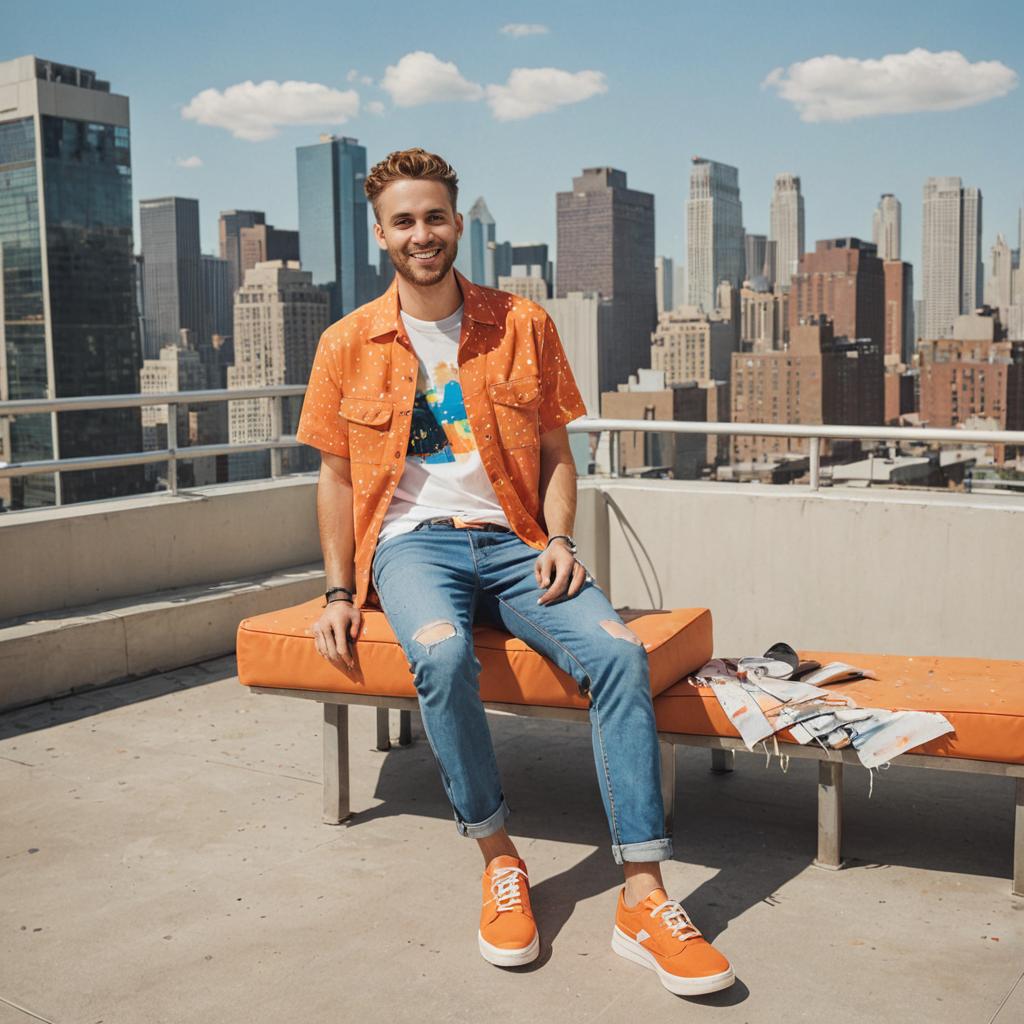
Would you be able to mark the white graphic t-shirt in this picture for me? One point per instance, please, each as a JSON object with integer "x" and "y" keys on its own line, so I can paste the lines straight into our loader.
{"x": 444, "y": 474}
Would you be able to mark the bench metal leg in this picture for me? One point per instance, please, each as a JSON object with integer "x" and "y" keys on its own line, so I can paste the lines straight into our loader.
{"x": 722, "y": 761}
{"x": 404, "y": 728}
{"x": 668, "y": 782}
{"x": 383, "y": 729}
{"x": 336, "y": 794}
{"x": 830, "y": 815}
{"x": 1018, "y": 842}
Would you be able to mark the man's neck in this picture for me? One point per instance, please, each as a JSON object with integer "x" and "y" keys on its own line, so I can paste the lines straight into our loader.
{"x": 431, "y": 303}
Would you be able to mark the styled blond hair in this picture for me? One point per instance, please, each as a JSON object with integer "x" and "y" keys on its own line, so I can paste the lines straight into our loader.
{"x": 410, "y": 163}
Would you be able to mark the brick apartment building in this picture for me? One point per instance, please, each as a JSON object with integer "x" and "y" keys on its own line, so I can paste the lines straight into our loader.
{"x": 820, "y": 378}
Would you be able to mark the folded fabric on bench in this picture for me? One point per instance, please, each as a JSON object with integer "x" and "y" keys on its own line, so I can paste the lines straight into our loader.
{"x": 276, "y": 649}
{"x": 983, "y": 701}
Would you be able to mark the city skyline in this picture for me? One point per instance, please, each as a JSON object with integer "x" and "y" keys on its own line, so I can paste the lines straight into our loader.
{"x": 733, "y": 108}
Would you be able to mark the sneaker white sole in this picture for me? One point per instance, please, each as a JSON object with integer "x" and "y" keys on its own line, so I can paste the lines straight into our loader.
{"x": 508, "y": 957}
{"x": 632, "y": 950}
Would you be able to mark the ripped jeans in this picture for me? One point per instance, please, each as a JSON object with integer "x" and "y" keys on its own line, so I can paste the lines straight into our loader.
{"x": 433, "y": 584}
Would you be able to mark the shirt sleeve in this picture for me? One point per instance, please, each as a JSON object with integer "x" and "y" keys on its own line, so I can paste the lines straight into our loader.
{"x": 560, "y": 399}
{"x": 320, "y": 424}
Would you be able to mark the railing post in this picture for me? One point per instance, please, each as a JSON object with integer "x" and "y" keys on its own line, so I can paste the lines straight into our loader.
{"x": 615, "y": 439}
{"x": 815, "y": 463}
{"x": 172, "y": 448}
{"x": 276, "y": 418}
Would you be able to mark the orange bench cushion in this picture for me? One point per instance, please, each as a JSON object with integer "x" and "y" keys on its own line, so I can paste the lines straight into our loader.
{"x": 983, "y": 700}
{"x": 276, "y": 649}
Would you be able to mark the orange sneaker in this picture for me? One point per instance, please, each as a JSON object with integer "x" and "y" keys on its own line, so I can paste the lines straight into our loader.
{"x": 508, "y": 935}
{"x": 658, "y": 934}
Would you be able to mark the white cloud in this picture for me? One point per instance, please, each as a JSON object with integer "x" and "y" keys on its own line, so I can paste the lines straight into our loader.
{"x": 420, "y": 77}
{"x": 832, "y": 88}
{"x": 530, "y": 91}
{"x": 256, "y": 111}
{"x": 189, "y": 162}
{"x": 375, "y": 107}
{"x": 355, "y": 76}
{"x": 519, "y": 29}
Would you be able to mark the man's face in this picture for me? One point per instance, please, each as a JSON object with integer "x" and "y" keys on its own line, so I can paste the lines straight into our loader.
{"x": 419, "y": 229}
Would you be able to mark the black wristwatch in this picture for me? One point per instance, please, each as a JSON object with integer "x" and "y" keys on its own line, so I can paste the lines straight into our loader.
{"x": 570, "y": 541}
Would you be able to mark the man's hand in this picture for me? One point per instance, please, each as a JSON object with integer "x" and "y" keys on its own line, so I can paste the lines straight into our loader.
{"x": 335, "y": 632}
{"x": 558, "y": 572}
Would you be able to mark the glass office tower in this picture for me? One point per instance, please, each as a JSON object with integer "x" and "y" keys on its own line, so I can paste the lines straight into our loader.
{"x": 333, "y": 230}
{"x": 67, "y": 298}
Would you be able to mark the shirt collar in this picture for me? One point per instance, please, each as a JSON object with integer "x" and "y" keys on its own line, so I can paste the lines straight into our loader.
{"x": 385, "y": 312}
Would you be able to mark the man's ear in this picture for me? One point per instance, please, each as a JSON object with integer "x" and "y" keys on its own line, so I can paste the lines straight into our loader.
{"x": 458, "y": 224}
{"x": 378, "y": 233}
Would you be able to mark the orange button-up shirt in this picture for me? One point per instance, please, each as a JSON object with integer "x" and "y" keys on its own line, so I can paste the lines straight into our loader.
{"x": 516, "y": 385}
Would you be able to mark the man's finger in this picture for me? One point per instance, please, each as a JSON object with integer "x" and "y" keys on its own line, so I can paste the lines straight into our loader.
{"x": 579, "y": 574}
{"x": 537, "y": 570}
{"x": 330, "y": 651}
{"x": 340, "y": 637}
{"x": 556, "y": 589}
{"x": 353, "y": 626}
{"x": 318, "y": 643}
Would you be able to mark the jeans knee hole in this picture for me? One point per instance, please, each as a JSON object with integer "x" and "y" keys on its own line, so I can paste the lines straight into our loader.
{"x": 620, "y": 631}
{"x": 433, "y": 633}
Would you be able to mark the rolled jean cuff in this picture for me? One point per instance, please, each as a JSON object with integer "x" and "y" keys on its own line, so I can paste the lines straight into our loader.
{"x": 487, "y": 827}
{"x": 642, "y": 853}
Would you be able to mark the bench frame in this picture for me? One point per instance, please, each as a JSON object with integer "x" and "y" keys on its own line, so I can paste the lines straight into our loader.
{"x": 337, "y": 804}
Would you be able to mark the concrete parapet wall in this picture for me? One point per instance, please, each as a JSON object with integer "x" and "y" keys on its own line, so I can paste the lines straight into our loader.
{"x": 840, "y": 569}
{"x": 79, "y": 554}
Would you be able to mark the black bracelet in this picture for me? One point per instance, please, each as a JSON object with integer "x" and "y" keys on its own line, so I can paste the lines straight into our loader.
{"x": 331, "y": 591}
{"x": 562, "y": 536}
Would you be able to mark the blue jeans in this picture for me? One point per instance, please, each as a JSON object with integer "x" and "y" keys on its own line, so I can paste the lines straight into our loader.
{"x": 433, "y": 584}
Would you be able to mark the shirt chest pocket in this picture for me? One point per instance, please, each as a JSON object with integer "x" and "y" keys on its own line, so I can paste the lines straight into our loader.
{"x": 369, "y": 427}
{"x": 516, "y": 404}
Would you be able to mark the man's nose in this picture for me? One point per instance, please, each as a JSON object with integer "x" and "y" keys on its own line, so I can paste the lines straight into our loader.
{"x": 421, "y": 233}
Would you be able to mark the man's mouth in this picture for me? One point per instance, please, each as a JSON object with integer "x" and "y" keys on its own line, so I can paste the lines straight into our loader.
{"x": 426, "y": 255}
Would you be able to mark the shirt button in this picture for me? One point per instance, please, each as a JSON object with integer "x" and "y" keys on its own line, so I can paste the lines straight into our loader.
{"x": 398, "y": 455}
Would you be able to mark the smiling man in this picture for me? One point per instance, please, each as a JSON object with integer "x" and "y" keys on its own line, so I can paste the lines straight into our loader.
{"x": 448, "y": 490}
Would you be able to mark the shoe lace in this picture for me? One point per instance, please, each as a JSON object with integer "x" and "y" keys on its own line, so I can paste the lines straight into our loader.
{"x": 505, "y": 888}
{"x": 677, "y": 920}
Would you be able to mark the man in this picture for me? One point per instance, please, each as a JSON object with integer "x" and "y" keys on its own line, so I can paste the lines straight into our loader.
{"x": 447, "y": 487}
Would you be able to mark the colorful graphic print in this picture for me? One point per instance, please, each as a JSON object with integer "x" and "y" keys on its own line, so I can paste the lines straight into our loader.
{"x": 440, "y": 429}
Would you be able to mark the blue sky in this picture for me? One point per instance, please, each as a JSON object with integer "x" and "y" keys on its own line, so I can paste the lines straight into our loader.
{"x": 678, "y": 80}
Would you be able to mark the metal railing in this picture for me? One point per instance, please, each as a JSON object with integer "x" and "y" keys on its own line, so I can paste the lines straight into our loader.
{"x": 814, "y": 433}
{"x": 173, "y": 453}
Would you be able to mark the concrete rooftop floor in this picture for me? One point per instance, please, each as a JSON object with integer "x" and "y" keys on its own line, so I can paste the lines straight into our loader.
{"x": 162, "y": 860}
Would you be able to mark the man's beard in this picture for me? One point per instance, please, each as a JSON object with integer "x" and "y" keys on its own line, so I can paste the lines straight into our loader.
{"x": 408, "y": 267}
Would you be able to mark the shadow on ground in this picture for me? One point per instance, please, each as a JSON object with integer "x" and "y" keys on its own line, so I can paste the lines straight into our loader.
{"x": 755, "y": 826}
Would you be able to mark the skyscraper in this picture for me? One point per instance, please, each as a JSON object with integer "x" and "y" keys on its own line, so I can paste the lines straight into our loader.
{"x": 998, "y": 287}
{"x": 899, "y": 311}
{"x": 230, "y": 228}
{"x": 333, "y": 231}
{"x": 714, "y": 231}
{"x": 842, "y": 280}
{"x": 67, "y": 292}
{"x": 606, "y": 246}
{"x": 787, "y": 226}
{"x": 171, "y": 271}
{"x": 217, "y": 300}
{"x": 886, "y": 228}
{"x": 755, "y": 251}
{"x": 951, "y": 254}
{"x": 263, "y": 243}
{"x": 664, "y": 274}
{"x": 481, "y": 243}
{"x": 279, "y": 317}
